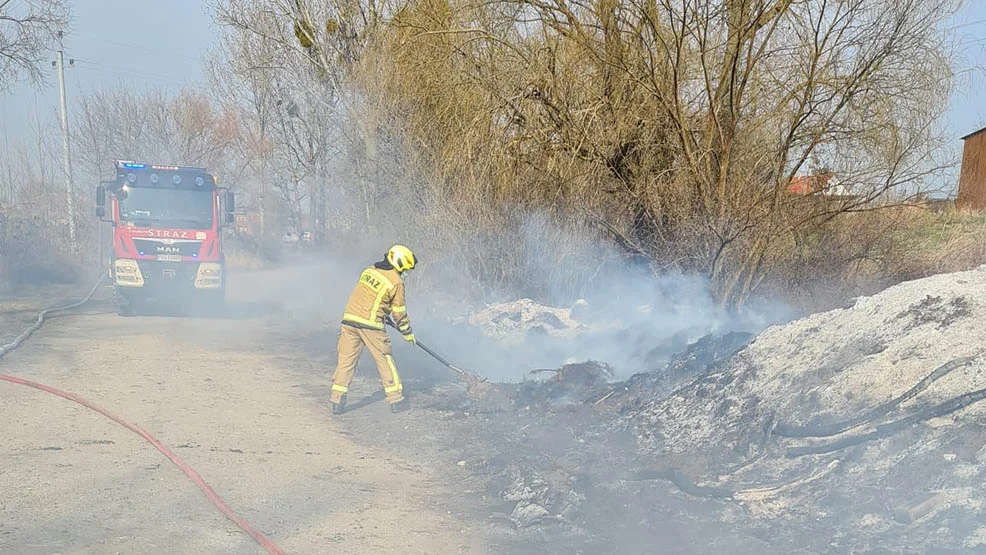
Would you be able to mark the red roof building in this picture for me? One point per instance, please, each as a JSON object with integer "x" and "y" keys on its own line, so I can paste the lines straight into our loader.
{"x": 824, "y": 183}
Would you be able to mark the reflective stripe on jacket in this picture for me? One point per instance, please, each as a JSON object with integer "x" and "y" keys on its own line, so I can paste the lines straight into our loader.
{"x": 378, "y": 294}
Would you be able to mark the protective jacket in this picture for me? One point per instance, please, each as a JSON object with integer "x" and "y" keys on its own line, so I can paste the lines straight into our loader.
{"x": 378, "y": 294}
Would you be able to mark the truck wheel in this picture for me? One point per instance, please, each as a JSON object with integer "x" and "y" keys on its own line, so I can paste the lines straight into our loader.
{"x": 126, "y": 311}
{"x": 124, "y": 306}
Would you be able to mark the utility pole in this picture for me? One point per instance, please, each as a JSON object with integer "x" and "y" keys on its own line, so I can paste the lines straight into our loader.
{"x": 8, "y": 192}
{"x": 65, "y": 142}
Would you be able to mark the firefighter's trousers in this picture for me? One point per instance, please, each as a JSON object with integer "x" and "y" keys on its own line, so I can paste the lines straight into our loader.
{"x": 351, "y": 343}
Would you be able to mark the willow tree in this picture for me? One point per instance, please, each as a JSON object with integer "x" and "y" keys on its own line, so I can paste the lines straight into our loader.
{"x": 678, "y": 125}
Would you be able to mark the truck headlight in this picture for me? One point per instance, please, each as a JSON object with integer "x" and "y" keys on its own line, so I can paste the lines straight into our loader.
{"x": 210, "y": 269}
{"x": 128, "y": 273}
{"x": 209, "y": 275}
{"x": 127, "y": 266}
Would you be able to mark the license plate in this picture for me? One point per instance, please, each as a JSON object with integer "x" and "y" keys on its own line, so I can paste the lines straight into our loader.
{"x": 169, "y": 257}
{"x": 168, "y": 273}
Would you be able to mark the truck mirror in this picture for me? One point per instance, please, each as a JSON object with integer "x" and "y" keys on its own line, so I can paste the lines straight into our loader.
{"x": 230, "y": 207}
{"x": 100, "y": 201}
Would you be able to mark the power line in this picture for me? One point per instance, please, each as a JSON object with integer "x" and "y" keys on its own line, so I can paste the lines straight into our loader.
{"x": 123, "y": 71}
{"x": 127, "y": 70}
{"x": 9, "y": 189}
{"x": 135, "y": 46}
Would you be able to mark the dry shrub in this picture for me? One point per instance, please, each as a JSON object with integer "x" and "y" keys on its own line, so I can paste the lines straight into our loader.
{"x": 244, "y": 253}
{"x": 860, "y": 253}
{"x": 38, "y": 253}
{"x": 941, "y": 243}
{"x": 35, "y": 245}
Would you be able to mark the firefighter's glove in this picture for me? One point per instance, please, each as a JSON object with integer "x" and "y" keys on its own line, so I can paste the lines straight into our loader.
{"x": 409, "y": 337}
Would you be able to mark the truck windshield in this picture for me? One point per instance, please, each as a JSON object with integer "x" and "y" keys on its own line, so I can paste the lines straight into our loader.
{"x": 167, "y": 208}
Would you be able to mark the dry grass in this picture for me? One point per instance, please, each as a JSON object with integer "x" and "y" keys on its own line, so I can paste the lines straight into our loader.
{"x": 859, "y": 254}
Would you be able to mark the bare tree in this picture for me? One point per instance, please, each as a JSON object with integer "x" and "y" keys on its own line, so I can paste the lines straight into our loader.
{"x": 296, "y": 58}
{"x": 184, "y": 129}
{"x": 27, "y": 32}
{"x": 241, "y": 80}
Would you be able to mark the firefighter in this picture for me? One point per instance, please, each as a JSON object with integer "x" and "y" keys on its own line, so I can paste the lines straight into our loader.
{"x": 378, "y": 295}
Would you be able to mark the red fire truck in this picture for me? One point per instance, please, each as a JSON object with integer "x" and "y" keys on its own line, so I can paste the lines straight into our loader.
{"x": 167, "y": 236}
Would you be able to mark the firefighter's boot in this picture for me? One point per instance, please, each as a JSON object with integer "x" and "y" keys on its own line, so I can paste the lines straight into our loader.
{"x": 400, "y": 406}
{"x": 340, "y": 407}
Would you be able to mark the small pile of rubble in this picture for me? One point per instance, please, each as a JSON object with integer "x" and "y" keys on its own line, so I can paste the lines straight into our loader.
{"x": 693, "y": 361}
{"x": 525, "y": 318}
{"x": 572, "y": 385}
{"x": 539, "y": 501}
{"x": 631, "y": 338}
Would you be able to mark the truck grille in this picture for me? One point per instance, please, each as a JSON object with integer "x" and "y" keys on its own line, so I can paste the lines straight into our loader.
{"x": 153, "y": 247}
{"x": 168, "y": 274}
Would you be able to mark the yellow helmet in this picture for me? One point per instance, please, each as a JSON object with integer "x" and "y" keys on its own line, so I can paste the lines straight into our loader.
{"x": 401, "y": 258}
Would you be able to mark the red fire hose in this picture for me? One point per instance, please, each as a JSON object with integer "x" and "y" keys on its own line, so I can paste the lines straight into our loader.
{"x": 257, "y": 535}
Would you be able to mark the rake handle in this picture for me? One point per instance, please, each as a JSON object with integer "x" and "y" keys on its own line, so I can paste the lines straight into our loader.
{"x": 436, "y": 356}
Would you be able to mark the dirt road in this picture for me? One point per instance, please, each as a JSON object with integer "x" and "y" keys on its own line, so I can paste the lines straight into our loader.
{"x": 247, "y": 411}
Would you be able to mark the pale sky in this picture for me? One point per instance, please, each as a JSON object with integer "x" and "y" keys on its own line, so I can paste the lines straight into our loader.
{"x": 153, "y": 43}
{"x": 967, "y": 112}
{"x": 139, "y": 43}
